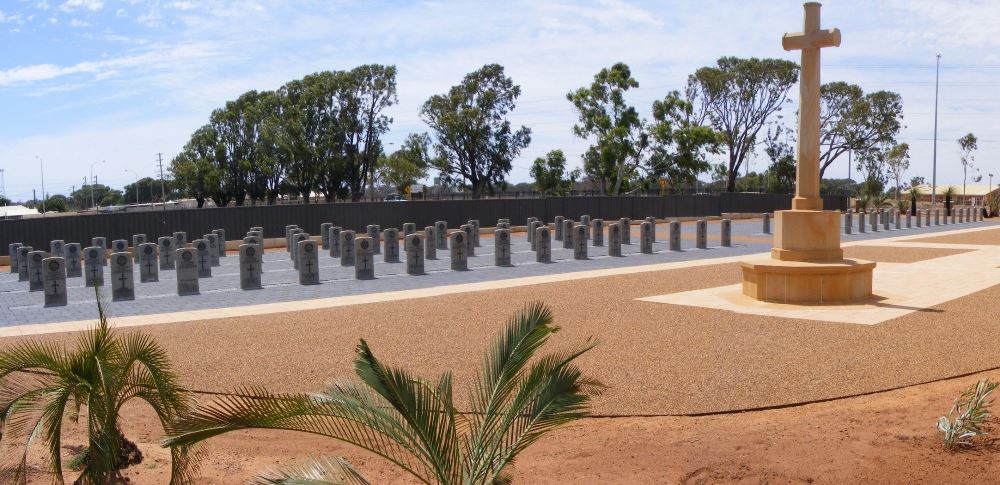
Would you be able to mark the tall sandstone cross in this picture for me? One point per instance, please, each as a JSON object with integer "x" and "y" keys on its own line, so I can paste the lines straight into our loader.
{"x": 809, "y": 41}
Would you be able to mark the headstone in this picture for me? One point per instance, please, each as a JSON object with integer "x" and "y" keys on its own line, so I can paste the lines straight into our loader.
{"x": 101, "y": 244}
{"x": 503, "y": 225}
{"x": 347, "y": 257}
{"x": 122, "y": 277}
{"x": 391, "y": 242}
{"x": 701, "y": 234}
{"x": 54, "y": 281}
{"x": 213, "y": 248}
{"x": 324, "y": 235}
{"x": 898, "y": 220}
{"x": 848, "y": 222}
{"x": 559, "y": 227}
{"x": 675, "y": 235}
{"x": 220, "y": 235}
{"x": 292, "y": 241}
{"x": 364, "y": 254}
{"x": 137, "y": 240}
{"x": 597, "y": 232}
{"x": 474, "y": 242}
{"x": 652, "y": 221}
{"x": 296, "y": 239}
{"x": 308, "y": 254}
{"x": 909, "y": 220}
{"x": 148, "y": 269}
{"x": 919, "y": 219}
{"x": 646, "y": 237}
{"x": 862, "y": 222}
{"x": 119, "y": 246}
{"x": 585, "y": 222}
{"x": 204, "y": 259}
{"x": 615, "y": 239}
{"x": 181, "y": 239}
{"x": 374, "y": 231}
{"x": 430, "y": 242}
{"x": 460, "y": 244}
{"x": 873, "y": 220}
{"x": 626, "y": 230}
{"x": 413, "y": 244}
{"x": 22, "y": 262}
{"x": 532, "y": 230}
{"x": 289, "y": 230}
{"x": 334, "y": 238}
{"x": 12, "y": 256}
{"x": 187, "y": 271}
{"x": 937, "y": 217}
{"x": 953, "y": 211}
{"x": 543, "y": 244}
{"x": 766, "y": 218}
{"x": 961, "y": 215}
{"x": 167, "y": 248}
{"x": 501, "y": 250}
{"x": 927, "y": 217}
{"x": 57, "y": 248}
{"x": 35, "y": 271}
{"x": 470, "y": 249}
{"x": 250, "y": 267}
{"x": 93, "y": 270}
{"x": 726, "y": 229}
{"x": 441, "y": 231}
{"x": 72, "y": 261}
{"x": 409, "y": 228}
{"x": 579, "y": 236}
{"x": 886, "y": 218}
{"x": 567, "y": 233}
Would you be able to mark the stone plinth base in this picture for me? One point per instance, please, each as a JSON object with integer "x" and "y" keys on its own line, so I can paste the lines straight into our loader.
{"x": 847, "y": 280}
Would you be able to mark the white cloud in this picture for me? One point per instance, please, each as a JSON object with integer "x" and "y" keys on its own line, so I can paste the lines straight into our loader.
{"x": 121, "y": 13}
{"x": 183, "y": 5}
{"x": 72, "y": 5}
{"x": 78, "y": 23}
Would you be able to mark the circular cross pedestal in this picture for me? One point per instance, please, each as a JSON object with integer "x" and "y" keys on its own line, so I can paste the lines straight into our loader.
{"x": 844, "y": 281}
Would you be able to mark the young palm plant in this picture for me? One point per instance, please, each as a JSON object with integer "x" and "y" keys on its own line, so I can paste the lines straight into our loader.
{"x": 43, "y": 383}
{"x": 412, "y": 422}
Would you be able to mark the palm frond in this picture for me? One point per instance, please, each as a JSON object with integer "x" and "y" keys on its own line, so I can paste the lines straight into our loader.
{"x": 322, "y": 471}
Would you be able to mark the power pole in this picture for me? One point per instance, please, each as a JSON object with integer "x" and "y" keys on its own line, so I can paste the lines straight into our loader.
{"x": 3, "y": 185}
{"x": 937, "y": 76}
{"x": 163, "y": 188}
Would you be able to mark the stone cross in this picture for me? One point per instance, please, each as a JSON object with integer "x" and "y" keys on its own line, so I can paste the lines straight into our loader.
{"x": 308, "y": 255}
{"x": 122, "y": 277}
{"x": 543, "y": 244}
{"x": 501, "y": 251}
{"x": 347, "y": 248}
{"x": 809, "y": 41}
{"x": 148, "y": 269}
{"x": 35, "y": 270}
{"x": 430, "y": 242}
{"x": 414, "y": 247}
{"x": 73, "y": 269}
{"x": 460, "y": 246}
{"x": 187, "y": 271}
{"x": 364, "y": 258}
{"x": 250, "y": 267}
{"x": 54, "y": 279}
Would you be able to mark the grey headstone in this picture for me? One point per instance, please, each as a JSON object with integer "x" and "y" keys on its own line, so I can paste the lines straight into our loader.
{"x": 413, "y": 244}
{"x": 289, "y": 230}
{"x": 333, "y": 238}
{"x": 374, "y": 231}
{"x": 558, "y": 227}
{"x": 460, "y": 244}
{"x": 93, "y": 270}
{"x": 543, "y": 244}
{"x": 953, "y": 211}
{"x": 167, "y": 252}
{"x": 22, "y": 262}
{"x": 848, "y": 222}
{"x": 74, "y": 266}
{"x": 324, "y": 234}
{"x": 727, "y": 233}
{"x": 701, "y": 234}
{"x": 57, "y": 248}
{"x": 364, "y": 249}
{"x": 909, "y": 220}
{"x": 646, "y": 237}
{"x": 203, "y": 257}
{"x": 441, "y": 230}
{"x": 886, "y": 218}
{"x": 54, "y": 280}
{"x": 862, "y": 223}
{"x": 391, "y": 241}
{"x": 919, "y": 217}
{"x": 873, "y": 220}
{"x": 532, "y": 230}
{"x": 615, "y": 239}
{"x": 961, "y": 216}
{"x": 137, "y": 240}
{"x": 119, "y": 246}
{"x": 501, "y": 251}
{"x": 626, "y": 230}
{"x": 503, "y": 225}
{"x": 250, "y": 267}
{"x": 220, "y": 234}
{"x": 579, "y": 236}
{"x": 36, "y": 280}
{"x": 347, "y": 248}
{"x": 652, "y": 221}
{"x": 409, "y": 228}
{"x": 475, "y": 234}
{"x": 149, "y": 270}
{"x": 213, "y": 248}
{"x": 567, "y": 233}
{"x": 898, "y": 220}
{"x": 675, "y": 235}
{"x": 430, "y": 242}
{"x": 181, "y": 239}
{"x": 296, "y": 239}
{"x": 937, "y": 217}
{"x": 122, "y": 277}
{"x": 766, "y": 219}
{"x": 12, "y": 255}
{"x": 597, "y": 232}
{"x": 102, "y": 244}
{"x": 927, "y": 217}
{"x": 187, "y": 271}
{"x": 585, "y": 222}
{"x": 292, "y": 244}
{"x": 308, "y": 254}
{"x": 470, "y": 249}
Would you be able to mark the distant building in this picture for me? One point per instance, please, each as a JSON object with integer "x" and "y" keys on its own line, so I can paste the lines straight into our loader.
{"x": 974, "y": 193}
{"x": 17, "y": 212}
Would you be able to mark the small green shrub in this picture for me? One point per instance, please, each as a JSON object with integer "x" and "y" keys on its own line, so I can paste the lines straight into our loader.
{"x": 969, "y": 411}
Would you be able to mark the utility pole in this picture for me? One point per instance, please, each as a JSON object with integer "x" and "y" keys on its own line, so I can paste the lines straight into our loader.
{"x": 41, "y": 166}
{"x": 3, "y": 185}
{"x": 937, "y": 76}
{"x": 163, "y": 188}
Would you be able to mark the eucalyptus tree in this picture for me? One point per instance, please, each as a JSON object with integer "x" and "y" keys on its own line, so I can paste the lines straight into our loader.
{"x": 781, "y": 153}
{"x": 740, "y": 95}
{"x": 851, "y": 120}
{"x": 966, "y": 145}
{"x": 618, "y": 134}
{"x": 370, "y": 90}
{"x": 328, "y": 99}
{"x": 897, "y": 162}
{"x": 516, "y": 399}
{"x": 238, "y": 125}
{"x": 197, "y": 169}
{"x": 296, "y": 125}
{"x": 551, "y": 177}
{"x": 405, "y": 166}
{"x": 475, "y": 141}
{"x": 680, "y": 141}
{"x": 270, "y": 167}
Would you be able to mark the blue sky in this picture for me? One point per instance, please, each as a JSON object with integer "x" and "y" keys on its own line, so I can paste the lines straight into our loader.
{"x": 121, "y": 80}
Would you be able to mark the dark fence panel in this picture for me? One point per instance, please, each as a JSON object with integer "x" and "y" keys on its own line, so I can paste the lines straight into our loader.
{"x": 37, "y": 232}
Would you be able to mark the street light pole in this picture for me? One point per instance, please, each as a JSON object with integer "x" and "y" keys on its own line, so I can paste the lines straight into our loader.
{"x": 136, "y": 186}
{"x": 3, "y": 186}
{"x": 41, "y": 167}
{"x": 92, "y": 204}
{"x": 937, "y": 76}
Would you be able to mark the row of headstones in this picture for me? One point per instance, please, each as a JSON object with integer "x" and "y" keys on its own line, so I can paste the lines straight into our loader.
{"x": 887, "y": 217}
{"x": 48, "y": 272}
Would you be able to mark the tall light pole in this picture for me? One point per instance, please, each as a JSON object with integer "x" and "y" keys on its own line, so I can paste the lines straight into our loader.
{"x": 136, "y": 186}
{"x": 92, "y": 204}
{"x": 3, "y": 186}
{"x": 937, "y": 77}
{"x": 41, "y": 167}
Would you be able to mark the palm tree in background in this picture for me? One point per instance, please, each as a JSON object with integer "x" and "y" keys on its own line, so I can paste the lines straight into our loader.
{"x": 412, "y": 422}
{"x": 43, "y": 383}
